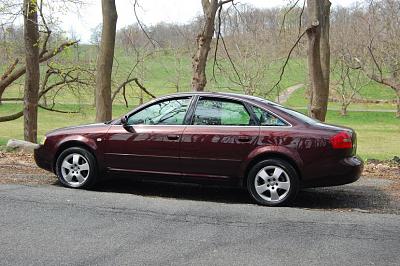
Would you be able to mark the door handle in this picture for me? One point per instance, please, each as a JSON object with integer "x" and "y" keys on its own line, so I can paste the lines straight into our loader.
{"x": 244, "y": 138}
{"x": 173, "y": 137}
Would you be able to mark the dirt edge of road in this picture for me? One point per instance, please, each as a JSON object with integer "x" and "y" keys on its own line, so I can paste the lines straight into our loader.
{"x": 380, "y": 179}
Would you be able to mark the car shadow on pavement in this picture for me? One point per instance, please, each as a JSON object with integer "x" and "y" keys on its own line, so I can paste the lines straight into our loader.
{"x": 361, "y": 197}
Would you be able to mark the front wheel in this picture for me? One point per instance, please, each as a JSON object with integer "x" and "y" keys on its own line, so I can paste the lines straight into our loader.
{"x": 76, "y": 168}
{"x": 273, "y": 182}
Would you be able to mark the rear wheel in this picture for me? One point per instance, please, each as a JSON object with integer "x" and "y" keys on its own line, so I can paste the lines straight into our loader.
{"x": 76, "y": 168}
{"x": 273, "y": 182}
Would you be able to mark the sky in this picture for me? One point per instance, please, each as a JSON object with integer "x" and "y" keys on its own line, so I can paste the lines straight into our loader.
{"x": 81, "y": 21}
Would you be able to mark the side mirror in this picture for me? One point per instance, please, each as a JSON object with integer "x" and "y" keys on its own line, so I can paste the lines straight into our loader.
{"x": 124, "y": 120}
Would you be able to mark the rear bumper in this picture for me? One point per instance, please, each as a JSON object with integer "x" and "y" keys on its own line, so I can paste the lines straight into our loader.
{"x": 348, "y": 171}
{"x": 43, "y": 158}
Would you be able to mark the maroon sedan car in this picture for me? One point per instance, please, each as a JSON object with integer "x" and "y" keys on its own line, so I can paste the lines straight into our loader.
{"x": 220, "y": 138}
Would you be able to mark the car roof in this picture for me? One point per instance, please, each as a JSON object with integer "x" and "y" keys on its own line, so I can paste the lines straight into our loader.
{"x": 226, "y": 94}
{"x": 274, "y": 108}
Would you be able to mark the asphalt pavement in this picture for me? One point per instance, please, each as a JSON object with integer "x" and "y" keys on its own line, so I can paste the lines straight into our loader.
{"x": 51, "y": 225}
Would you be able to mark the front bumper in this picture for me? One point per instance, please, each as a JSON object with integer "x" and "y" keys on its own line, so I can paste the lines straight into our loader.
{"x": 43, "y": 158}
{"x": 348, "y": 171}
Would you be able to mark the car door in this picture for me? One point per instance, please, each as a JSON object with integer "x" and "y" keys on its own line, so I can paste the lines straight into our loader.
{"x": 150, "y": 141}
{"x": 222, "y": 132}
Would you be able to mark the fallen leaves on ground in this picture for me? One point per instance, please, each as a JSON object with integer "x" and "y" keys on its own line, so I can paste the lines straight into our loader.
{"x": 20, "y": 168}
{"x": 387, "y": 170}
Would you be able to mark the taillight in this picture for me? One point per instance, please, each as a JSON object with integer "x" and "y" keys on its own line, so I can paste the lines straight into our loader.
{"x": 342, "y": 140}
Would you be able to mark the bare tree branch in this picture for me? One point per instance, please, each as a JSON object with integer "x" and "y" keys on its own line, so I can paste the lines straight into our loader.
{"x": 122, "y": 86}
{"x": 152, "y": 41}
{"x": 11, "y": 117}
{"x": 56, "y": 110}
{"x": 219, "y": 36}
{"x": 287, "y": 60}
{"x": 301, "y": 16}
{"x": 47, "y": 31}
{"x": 11, "y": 99}
{"x": 221, "y": 3}
{"x": 10, "y": 69}
{"x": 286, "y": 13}
{"x": 17, "y": 73}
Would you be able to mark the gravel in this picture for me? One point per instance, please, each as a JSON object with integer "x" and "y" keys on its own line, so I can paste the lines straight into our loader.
{"x": 378, "y": 192}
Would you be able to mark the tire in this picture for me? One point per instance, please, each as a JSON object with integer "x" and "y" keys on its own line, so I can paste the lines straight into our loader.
{"x": 76, "y": 168}
{"x": 273, "y": 182}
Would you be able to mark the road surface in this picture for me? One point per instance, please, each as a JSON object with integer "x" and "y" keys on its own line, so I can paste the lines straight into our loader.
{"x": 51, "y": 225}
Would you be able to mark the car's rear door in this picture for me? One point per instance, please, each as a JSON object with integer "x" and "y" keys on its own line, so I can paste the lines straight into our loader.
{"x": 151, "y": 143}
{"x": 221, "y": 133}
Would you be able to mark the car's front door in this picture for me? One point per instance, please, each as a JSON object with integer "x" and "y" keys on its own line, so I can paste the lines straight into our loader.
{"x": 150, "y": 143}
{"x": 221, "y": 134}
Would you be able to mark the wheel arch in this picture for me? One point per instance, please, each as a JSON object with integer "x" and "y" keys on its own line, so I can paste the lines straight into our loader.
{"x": 70, "y": 144}
{"x": 269, "y": 155}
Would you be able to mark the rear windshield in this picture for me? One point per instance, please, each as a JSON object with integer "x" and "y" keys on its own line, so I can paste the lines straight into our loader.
{"x": 297, "y": 115}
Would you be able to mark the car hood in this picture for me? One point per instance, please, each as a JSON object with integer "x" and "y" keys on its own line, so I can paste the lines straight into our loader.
{"x": 89, "y": 128}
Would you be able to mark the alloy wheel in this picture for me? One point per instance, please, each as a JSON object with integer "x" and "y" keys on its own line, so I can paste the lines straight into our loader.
{"x": 75, "y": 169}
{"x": 272, "y": 183}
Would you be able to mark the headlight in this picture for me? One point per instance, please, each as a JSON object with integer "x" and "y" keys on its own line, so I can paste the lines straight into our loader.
{"x": 43, "y": 140}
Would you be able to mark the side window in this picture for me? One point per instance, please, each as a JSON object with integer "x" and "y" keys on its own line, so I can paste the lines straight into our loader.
{"x": 169, "y": 112}
{"x": 220, "y": 112}
{"x": 267, "y": 119}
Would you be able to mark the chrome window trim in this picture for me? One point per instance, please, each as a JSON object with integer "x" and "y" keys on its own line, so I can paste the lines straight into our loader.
{"x": 143, "y": 125}
{"x": 193, "y": 96}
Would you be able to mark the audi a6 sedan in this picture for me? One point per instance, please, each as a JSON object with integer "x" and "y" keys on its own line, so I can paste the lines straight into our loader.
{"x": 219, "y": 138}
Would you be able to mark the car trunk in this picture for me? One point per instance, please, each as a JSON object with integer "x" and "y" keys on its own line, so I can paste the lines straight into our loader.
{"x": 345, "y": 152}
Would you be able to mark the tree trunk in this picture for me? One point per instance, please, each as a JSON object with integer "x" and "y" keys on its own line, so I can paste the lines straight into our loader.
{"x": 318, "y": 57}
{"x": 325, "y": 49}
{"x": 398, "y": 104}
{"x": 31, "y": 91}
{"x": 105, "y": 62}
{"x": 199, "y": 79}
{"x": 94, "y": 97}
{"x": 343, "y": 110}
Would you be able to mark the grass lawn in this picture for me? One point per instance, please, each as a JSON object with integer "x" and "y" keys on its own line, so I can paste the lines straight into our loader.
{"x": 49, "y": 120}
{"x": 159, "y": 74}
{"x": 298, "y": 99}
{"x": 378, "y": 132}
{"x": 161, "y": 69}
